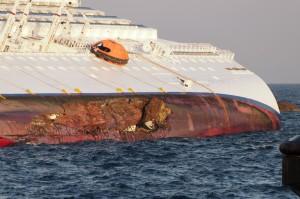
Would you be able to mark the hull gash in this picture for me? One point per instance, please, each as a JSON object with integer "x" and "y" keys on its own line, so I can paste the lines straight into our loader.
{"x": 59, "y": 120}
{"x": 70, "y": 74}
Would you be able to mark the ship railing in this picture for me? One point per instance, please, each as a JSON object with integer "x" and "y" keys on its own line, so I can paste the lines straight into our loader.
{"x": 208, "y": 54}
{"x": 76, "y": 20}
{"x": 193, "y": 48}
{"x": 71, "y": 3}
{"x": 6, "y": 5}
{"x": 167, "y": 48}
{"x": 196, "y": 49}
{"x": 81, "y": 46}
{"x": 226, "y": 54}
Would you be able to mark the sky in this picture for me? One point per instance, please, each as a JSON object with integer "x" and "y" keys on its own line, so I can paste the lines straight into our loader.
{"x": 264, "y": 34}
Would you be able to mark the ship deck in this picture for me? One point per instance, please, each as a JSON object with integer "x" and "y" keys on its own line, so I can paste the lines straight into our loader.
{"x": 60, "y": 74}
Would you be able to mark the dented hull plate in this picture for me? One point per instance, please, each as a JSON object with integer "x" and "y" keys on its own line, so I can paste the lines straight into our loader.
{"x": 71, "y": 119}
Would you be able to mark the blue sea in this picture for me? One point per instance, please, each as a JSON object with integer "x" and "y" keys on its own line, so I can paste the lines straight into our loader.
{"x": 243, "y": 166}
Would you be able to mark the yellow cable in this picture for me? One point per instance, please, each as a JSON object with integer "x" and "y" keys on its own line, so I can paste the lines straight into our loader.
{"x": 2, "y": 97}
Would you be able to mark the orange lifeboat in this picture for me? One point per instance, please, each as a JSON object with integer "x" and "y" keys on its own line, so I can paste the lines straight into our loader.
{"x": 111, "y": 51}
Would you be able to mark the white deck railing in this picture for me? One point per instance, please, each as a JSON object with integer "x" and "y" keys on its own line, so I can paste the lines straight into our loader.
{"x": 71, "y": 3}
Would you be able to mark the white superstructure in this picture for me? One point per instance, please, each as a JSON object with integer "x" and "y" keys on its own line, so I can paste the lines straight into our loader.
{"x": 45, "y": 50}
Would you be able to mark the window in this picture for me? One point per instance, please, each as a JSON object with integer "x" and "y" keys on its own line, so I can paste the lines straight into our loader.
{"x": 103, "y": 48}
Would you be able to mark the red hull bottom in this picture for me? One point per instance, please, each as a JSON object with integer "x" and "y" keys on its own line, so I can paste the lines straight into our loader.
{"x": 58, "y": 120}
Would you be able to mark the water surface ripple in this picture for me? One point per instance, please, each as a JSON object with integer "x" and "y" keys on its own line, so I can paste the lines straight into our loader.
{"x": 243, "y": 166}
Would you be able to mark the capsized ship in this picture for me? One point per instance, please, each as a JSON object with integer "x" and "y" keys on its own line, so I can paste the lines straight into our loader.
{"x": 70, "y": 74}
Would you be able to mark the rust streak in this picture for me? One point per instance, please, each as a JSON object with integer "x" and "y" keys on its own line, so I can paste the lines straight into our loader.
{"x": 190, "y": 122}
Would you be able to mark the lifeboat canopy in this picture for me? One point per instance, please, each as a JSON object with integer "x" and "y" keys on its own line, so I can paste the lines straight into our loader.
{"x": 111, "y": 51}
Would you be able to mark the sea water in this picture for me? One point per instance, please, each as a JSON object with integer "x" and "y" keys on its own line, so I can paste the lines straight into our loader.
{"x": 242, "y": 166}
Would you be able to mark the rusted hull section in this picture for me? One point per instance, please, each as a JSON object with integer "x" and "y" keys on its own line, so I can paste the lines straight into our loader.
{"x": 57, "y": 120}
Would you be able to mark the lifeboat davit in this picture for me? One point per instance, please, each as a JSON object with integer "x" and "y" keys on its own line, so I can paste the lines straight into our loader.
{"x": 111, "y": 51}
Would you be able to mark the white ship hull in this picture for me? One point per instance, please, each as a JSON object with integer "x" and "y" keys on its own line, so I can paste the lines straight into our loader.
{"x": 58, "y": 83}
{"x": 55, "y": 74}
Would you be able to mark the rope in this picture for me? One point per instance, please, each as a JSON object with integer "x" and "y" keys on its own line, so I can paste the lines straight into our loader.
{"x": 153, "y": 85}
{"x": 176, "y": 73}
{"x": 219, "y": 99}
{"x": 37, "y": 78}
